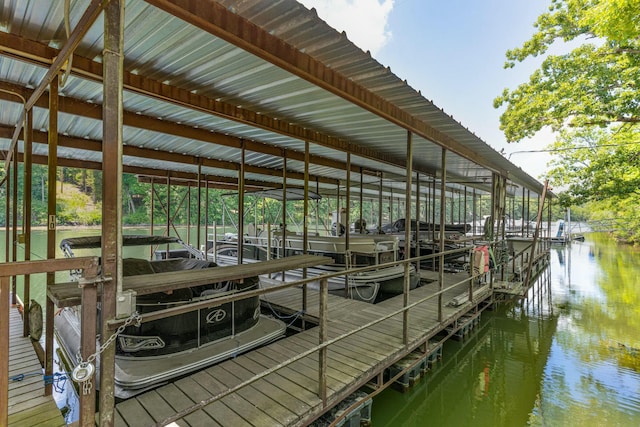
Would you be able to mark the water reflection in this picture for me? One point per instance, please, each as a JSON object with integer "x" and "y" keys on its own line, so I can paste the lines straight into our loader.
{"x": 568, "y": 355}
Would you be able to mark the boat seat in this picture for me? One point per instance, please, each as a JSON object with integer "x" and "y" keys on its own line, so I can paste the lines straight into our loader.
{"x": 179, "y": 264}
{"x": 136, "y": 267}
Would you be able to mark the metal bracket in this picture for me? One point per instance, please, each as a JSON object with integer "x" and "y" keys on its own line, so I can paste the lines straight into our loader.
{"x": 95, "y": 281}
{"x": 125, "y": 303}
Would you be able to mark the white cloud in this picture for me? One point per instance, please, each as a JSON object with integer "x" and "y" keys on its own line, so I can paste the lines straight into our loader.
{"x": 365, "y": 21}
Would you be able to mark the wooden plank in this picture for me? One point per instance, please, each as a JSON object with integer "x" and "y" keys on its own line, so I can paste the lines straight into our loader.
{"x": 43, "y": 414}
{"x": 339, "y": 377}
{"x": 135, "y": 414}
{"x": 205, "y": 387}
{"x": 168, "y": 400}
{"x": 288, "y": 392}
{"x": 260, "y": 401}
{"x": 303, "y": 375}
{"x": 252, "y": 413}
{"x": 304, "y": 371}
{"x": 155, "y": 405}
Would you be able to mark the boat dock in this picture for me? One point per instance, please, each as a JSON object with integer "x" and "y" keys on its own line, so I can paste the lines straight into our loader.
{"x": 246, "y": 97}
{"x": 28, "y": 406}
{"x": 289, "y": 395}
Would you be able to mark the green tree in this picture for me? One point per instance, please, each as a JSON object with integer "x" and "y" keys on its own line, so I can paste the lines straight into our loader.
{"x": 590, "y": 95}
{"x": 596, "y": 83}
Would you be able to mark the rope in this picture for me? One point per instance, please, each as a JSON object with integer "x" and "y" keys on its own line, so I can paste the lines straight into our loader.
{"x": 58, "y": 379}
{"x": 31, "y": 252}
{"x": 293, "y": 316}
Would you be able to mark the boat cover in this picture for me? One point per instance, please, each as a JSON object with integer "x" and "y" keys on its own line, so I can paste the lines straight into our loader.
{"x": 89, "y": 242}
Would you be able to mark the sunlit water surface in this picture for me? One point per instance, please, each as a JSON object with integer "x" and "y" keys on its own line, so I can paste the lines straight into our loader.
{"x": 569, "y": 355}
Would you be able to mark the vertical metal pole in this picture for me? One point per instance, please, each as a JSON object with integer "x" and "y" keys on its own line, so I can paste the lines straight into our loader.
{"x": 417, "y": 231}
{"x": 427, "y": 208}
{"x": 241, "y": 203}
{"x": 305, "y": 222}
{"x": 407, "y": 239}
{"x": 347, "y": 220}
{"x": 284, "y": 205}
{"x": 14, "y": 221}
{"x": 474, "y": 211}
{"x": 206, "y": 216}
{"x": 113, "y": 67}
{"x": 51, "y": 229}
{"x": 433, "y": 217}
{"x": 4, "y": 350}
{"x": 151, "y": 216}
{"x": 324, "y": 334}
{"x": 380, "y": 204}
{"x": 89, "y": 301}
{"x": 7, "y": 213}
{"x": 464, "y": 211}
{"x": 168, "y": 208}
{"x": 360, "y": 201}
{"x": 443, "y": 187}
{"x": 199, "y": 209}
{"x": 26, "y": 216}
{"x": 188, "y": 213}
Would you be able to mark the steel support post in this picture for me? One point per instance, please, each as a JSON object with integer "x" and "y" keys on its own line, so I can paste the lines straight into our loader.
{"x": 324, "y": 334}
{"x": 113, "y": 66}
{"x": 443, "y": 189}
{"x": 407, "y": 239}
{"x": 26, "y": 216}
{"x": 4, "y": 349}
{"x": 51, "y": 228}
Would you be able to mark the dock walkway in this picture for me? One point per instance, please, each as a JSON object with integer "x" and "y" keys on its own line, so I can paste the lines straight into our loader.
{"x": 289, "y": 395}
{"x": 28, "y": 406}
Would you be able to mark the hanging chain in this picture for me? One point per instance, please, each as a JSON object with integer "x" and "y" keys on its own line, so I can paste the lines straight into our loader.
{"x": 85, "y": 369}
{"x": 86, "y": 387}
{"x": 135, "y": 317}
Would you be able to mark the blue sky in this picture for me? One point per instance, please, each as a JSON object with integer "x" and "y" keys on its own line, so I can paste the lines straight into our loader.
{"x": 453, "y": 51}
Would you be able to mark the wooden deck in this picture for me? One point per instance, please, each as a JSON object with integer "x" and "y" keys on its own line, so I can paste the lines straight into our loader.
{"x": 289, "y": 396}
{"x": 28, "y": 407}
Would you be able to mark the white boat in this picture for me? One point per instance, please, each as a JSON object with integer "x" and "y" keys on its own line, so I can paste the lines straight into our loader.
{"x": 364, "y": 251}
{"x": 156, "y": 352}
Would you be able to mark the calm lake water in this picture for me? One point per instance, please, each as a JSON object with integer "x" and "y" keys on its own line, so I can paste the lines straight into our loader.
{"x": 569, "y": 355}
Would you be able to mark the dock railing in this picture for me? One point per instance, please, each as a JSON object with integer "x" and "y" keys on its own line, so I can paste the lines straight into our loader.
{"x": 89, "y": 266}
{"x": 323, "y": 341}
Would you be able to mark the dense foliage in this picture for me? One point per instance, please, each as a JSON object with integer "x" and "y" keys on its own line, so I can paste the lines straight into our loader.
{"x": 590, "y": 95}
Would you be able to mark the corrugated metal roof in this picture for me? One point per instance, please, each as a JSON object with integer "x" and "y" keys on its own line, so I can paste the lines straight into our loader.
{"x": 164, "y": 48}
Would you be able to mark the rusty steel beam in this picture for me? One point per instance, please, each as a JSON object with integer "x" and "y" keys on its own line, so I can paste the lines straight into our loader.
{"x": 86, "y": 21}
{"x": 52, "y": 173}
{"x": 40, "y": 54}
{"x": 112, "y": 124}
{"x": 4, "y": 347}
{"x": 222, "y": 22}
{"x": 129, "y": 150}
{"x": 84, "y": 109}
